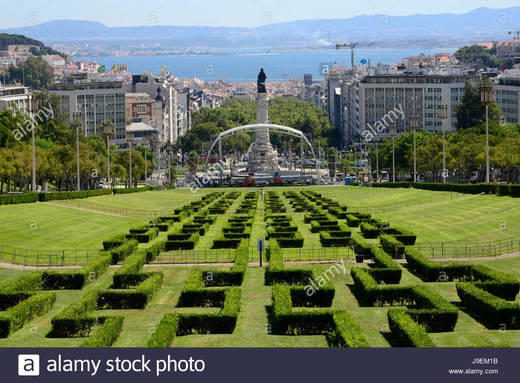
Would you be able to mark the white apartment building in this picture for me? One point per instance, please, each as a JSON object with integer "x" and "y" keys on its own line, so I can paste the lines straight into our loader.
{"x": 15, "y": 95}
{"x": 96, "y": 100}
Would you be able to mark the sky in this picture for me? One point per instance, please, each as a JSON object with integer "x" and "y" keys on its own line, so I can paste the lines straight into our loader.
{"x": 238, "y": 13}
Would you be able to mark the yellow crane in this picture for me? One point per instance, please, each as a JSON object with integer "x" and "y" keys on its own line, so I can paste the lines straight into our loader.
{"x": 352, "y": 46}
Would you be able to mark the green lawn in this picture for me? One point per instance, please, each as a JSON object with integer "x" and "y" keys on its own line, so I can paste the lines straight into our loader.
{"x": 477, "y": 218}
{"x": 163, "y": 201}
{"x": 41, "y": 226}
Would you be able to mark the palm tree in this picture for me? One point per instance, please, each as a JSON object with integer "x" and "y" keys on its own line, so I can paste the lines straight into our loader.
{"x": 109, "y": 131}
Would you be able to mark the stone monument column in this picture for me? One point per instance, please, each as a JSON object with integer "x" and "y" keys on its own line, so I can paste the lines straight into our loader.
{"x": 262, "y": 156}
{"x": 262, "y": 117}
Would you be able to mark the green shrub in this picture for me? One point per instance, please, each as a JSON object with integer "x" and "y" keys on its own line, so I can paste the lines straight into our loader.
{"x": 17, "y": 316}
{"x": 287, "y": 242}
{"x": 334, "y": 239}
{"x": 131, "y": 190}
{"x": 145, "y": 237}
{"x": 122, "y": 252}
{"x": 58, "y": 280}
{"x": 136, "y": 298}
{"x": 226, "y": 243}
{"x": 165, "y": 332}
{"x": 352, "y": 220}
{"x": 106, "y": 334}
{"x": 126, "y": 275}
{"x": 361, "y": 246}
{"x": 347, "y": 332}
{"x": 392, "y": 246}
{"x": 97, "y": 266}
{"x": 405, "y": 236}
{"x": 407, "y": 331}
{"x": 75, "y": 320}
{"x": 114, "y": 242}
{"x": 368, "y": 230}
{"x": 497, "y": 311}
{"x": 11, "y": 199}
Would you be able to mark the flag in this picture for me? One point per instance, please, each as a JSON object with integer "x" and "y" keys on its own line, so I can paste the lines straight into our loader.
{"x": 101, "y": 69}
{"x": 115, "y": 68}
{"x": 163, "y": 68}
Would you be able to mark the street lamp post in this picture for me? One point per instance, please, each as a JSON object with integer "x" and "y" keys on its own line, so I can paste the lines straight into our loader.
{"x": 129, "y": 142}
{"x": 32, "y": 109}
{"x": 377, "y": 162}
{"x": 392, "y": 133}
{"x": 414, "y": 123}
{"x": 77, "y": 121}
{"x": 443, "y": 115}
{"x": 486, "y": 93}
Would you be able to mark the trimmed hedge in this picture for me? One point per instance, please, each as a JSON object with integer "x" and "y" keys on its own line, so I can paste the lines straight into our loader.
{"x": 106, "y": 334}
{"x": 486, "y": 188}
{"x": 392, "y": 246}
{"x": 405, "y": 236}
{"x": 368, "y": 230}
{"x": 335, "y": 239}
{"x": 353, "y": 221}
{"x": 495, "y": 282}
{"x": 361, "y": 246}
{"x": 291, "y": 242}
{"x": 165, "y": 332}
{"x": 407, "y": 331}
{"x": 114, "y": 242}
{"x": 497, "y": 311}
{"x": 223, "y": 322}
{"x": 122, "y": 252}
{"x": 17, "y": 316}
{"x": 136, "y": 298}
{"x": 126, "y": 275}
{"x": 347, "y": 332}
{"x": 11, "y": 199}
{"x": 75, "y": 320}
{"x": 131, "y": 190}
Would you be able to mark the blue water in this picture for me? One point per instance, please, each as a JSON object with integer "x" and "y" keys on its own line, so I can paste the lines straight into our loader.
{"x": 279, "y": 65}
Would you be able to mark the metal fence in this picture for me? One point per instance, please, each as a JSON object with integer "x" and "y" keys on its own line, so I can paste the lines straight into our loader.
{"x": 318, "y": 254}
{"x": 468, "y": 250}
{"x": 204, "y": 255}
{"x": 46, "y": 258}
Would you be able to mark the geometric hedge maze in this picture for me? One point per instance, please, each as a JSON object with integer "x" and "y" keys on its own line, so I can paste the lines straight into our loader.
{"x": 415, "y": 311}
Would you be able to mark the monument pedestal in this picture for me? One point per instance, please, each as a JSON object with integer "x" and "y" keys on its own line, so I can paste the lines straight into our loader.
{"x": 261, "y": 155}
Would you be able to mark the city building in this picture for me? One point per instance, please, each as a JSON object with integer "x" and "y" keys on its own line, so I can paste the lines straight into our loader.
{"x": 507, "y": 92}
{"x": 141, "y": 108}
{"x": 15, "y": 96}
{"x": 393, "y": 98}
{"x": 96, "y": 99}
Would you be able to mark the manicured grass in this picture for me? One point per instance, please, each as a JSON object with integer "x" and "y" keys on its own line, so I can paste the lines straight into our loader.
{"x": 475, "y": 219}
{"x": 165, "y": 201}
{"x": 39, "y": 226}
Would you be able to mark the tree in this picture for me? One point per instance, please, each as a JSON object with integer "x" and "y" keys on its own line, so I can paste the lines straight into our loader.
{"x": 471, "y": 112}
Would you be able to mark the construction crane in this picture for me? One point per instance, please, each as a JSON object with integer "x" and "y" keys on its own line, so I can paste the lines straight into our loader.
{"x": 352, "y": 46}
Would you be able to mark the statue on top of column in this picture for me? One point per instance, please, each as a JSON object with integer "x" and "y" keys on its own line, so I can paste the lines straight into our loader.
{"x": 261, "y": 81}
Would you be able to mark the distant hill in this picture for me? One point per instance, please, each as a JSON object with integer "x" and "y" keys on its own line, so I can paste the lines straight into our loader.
{"x": 15, "y": 39}
{"x": 480, "y": 24}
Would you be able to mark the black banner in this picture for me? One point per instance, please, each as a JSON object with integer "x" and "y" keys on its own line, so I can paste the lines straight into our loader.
{"x": 259, "y": 365}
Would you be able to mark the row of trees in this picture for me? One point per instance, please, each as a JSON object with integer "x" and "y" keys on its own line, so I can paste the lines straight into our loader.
{"x": 55, "y": 146}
